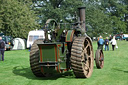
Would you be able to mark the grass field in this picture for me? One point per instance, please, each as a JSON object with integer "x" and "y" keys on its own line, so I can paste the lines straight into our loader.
{"x": 15, "y": 70}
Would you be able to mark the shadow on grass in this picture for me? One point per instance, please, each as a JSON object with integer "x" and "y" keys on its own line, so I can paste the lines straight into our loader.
{"x": 26, "y": 72}
{"x": 120, "y": 70}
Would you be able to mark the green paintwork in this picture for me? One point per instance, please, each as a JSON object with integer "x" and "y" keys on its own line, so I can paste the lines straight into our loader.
{"x": 62, "y": 57}
{"x": 48, "y": 52}
{"x": 69, "y": 35}
{"x": 48, "y": 55}
{"x": 52, "y": 52}
{"x": 59, "y": 33}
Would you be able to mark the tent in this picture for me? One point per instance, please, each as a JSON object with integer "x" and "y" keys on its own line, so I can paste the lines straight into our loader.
{"x": 19, "y": 44}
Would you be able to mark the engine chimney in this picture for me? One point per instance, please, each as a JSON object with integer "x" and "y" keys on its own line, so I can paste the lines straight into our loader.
{"x": 82, "y": 18}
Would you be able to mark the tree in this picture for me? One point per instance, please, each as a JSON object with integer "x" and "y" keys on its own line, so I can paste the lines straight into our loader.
{"x": 61, "y": 10}
{"x": 97, "y": 21}
{"x": 17, "y": 18}
{"x": 117, "y": 10}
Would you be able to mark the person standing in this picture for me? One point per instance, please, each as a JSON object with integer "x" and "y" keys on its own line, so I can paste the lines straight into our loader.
{"x": 100, "y": 43}
{"x": 110, "y": 37}
{"x": 113, "y": 42}
{"x": 2, "y": 48}
{"x": 106, "y": 43}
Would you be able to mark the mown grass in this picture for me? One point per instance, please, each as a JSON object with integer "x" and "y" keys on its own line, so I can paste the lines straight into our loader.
{"x": 15, "y": 70}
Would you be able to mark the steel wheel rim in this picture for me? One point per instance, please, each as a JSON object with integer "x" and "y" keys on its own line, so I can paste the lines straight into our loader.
{"x": 87, "y": 59}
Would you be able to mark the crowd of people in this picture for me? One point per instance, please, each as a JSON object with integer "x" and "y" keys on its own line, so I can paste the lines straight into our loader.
{"x": 109, "y": 40}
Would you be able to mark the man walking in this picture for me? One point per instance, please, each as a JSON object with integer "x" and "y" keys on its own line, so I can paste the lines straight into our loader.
{"x": 2, "y": 48}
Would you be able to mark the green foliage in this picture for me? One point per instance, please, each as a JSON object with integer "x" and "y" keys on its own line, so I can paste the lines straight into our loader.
{"x": 118, "y": 25}
{"x": 16, "y": 18}
{"x": 117, "y": 10}
{"x": 103, "y": 17}
{"x": 57, "y": 9}
{"x": 99, "y": 22}
{"x": 106, "y": 17}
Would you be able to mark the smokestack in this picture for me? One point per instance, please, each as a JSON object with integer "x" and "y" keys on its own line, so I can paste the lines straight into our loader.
{"x": 82, "y": 18}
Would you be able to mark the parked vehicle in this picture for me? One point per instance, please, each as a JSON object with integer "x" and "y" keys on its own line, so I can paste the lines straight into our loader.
{"x": 8, "y": 42}
{"x": 34, "y": 35}
{"x": 118, "y": 36}
{"x": 125, "y": 36}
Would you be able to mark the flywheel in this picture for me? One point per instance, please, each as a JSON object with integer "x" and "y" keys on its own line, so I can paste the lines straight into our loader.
{"x": 82, "y": 57}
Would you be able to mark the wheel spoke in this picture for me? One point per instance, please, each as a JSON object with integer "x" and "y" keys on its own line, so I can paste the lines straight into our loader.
{"x": 87, "y": 68}
{"x": 86, "y": 51}
{"x": 87, "y": 46}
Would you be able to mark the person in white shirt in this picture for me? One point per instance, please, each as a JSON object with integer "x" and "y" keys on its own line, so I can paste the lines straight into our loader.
{"x": 113, "y": 42}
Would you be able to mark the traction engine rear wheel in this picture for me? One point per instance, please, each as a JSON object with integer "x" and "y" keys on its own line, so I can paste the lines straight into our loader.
{"x": 99, "y": 59}
{"x": 34, "y": 58}
{"x": 82, "y": 57}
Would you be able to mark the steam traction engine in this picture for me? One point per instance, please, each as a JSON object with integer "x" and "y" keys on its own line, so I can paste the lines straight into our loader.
{"x": 66, "y": 49}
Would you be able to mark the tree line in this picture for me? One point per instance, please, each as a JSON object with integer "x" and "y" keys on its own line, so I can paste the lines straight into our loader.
{"x": 103, "y": 17}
